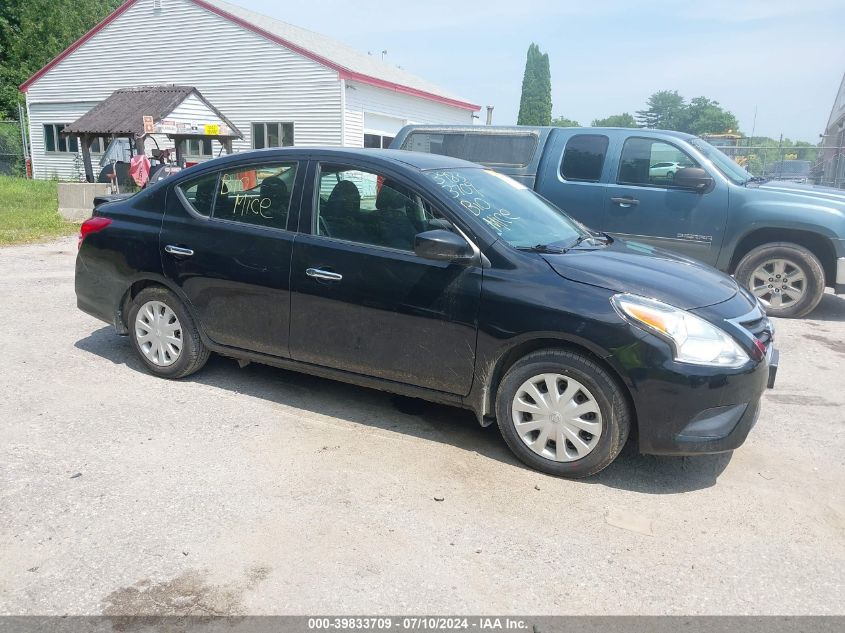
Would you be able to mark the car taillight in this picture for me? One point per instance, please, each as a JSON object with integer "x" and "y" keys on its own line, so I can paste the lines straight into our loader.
{"x": 92, "y": 225}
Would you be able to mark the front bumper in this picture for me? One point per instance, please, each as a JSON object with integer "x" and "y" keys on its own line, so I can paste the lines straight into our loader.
{"x": 684, "y": 410}
{"x": 839, "y": 286}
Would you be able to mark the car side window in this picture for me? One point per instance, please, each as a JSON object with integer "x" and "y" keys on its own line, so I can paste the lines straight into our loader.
{"x": 368, "y": 208}
{"x": 583, "y": 158}
{"x": 256, "y": 194}
{"x": 651, "y": 163}
{"x": 200, "y": 192}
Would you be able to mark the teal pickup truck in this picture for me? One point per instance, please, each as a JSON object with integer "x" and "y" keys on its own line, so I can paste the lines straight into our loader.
{"x": 783, "y": 240}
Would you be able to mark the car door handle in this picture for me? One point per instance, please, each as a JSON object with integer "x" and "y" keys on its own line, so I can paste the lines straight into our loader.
{"x": 180, "y": 251}
{"x": 626, "y": 201}
{"x": 325, "y": 275}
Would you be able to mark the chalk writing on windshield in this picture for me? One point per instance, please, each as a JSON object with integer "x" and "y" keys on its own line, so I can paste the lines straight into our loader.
{"x": 464, "y": 192}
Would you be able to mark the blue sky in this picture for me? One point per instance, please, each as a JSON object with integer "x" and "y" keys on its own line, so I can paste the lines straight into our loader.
{"x": 784, "y": 57}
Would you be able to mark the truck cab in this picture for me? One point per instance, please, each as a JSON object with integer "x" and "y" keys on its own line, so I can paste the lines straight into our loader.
{"x": 673, "y": 191}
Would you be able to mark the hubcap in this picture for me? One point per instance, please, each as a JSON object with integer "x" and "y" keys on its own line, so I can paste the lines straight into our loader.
{"x": 778, "y": 283}
{"x": 159, "y": 333}
{"x": 557, "y": 417}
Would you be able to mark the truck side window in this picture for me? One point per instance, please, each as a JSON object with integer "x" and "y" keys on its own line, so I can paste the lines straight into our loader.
{"x": 583, "y": 157}
{"x": 651, "y": 163}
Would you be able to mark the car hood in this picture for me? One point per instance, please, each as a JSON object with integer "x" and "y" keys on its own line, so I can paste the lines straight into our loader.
{"x": 647, "y": 271}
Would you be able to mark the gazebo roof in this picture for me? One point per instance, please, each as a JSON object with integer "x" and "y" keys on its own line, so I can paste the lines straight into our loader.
{"x": 123, "y": 112}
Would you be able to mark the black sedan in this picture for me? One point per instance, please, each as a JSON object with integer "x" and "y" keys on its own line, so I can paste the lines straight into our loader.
{"x": 435, "y": 278}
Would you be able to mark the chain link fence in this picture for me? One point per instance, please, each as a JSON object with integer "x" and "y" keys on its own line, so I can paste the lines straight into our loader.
{"x": 819, "y": 165}
{"x": 12, "y": 152}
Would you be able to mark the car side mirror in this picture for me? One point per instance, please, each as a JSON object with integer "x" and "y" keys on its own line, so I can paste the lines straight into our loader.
{"x": 442, "y": 245}
{"x": 693, "y": 178}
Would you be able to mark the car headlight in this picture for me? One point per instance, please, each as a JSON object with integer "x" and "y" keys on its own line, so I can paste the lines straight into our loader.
{"x": 694, "y": 339}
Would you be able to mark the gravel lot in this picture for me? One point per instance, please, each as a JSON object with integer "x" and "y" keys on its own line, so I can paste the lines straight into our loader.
{"x": 262, "y": 491}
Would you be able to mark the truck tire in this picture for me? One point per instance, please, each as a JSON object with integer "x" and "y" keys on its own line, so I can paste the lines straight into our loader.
{"x": 562, "y": 413}
{"x": 786, "y": 277}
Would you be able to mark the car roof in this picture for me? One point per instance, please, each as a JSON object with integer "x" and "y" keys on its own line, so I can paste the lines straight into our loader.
{"x": 418, "y": 160}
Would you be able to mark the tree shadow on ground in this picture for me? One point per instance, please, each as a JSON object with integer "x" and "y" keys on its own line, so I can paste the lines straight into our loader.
{"x": 438, "y": 423}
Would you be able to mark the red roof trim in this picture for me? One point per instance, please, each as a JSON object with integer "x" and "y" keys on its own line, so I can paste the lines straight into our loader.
{"x": 344, "y": 73}
{"x": 58, "y": 58}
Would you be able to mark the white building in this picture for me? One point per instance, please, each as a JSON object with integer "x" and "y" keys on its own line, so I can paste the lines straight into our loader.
{"x": 278, "y": 83}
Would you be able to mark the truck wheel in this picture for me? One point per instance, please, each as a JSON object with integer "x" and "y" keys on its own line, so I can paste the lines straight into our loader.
{"x": 786, "y": 277}
{"x": 164, "y": 334}
{"x": 562, "y": 414}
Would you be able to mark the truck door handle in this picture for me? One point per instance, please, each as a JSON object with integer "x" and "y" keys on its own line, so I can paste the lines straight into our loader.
{"x": 626, "y": 201}
{"x": 325, "y": 275}
{"x": 179, "y": 251}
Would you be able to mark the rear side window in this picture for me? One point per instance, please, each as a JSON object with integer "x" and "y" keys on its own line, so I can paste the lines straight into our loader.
{"x": 200, "y": 193}
{"x": 257, "y": 194}
{"x": 583, "y": 158}
{"x": 511, "y": 150}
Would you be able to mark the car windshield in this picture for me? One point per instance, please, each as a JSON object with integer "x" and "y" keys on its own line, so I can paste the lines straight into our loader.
{"x": 722, "y": 162}
{"x": 510, "y": 209}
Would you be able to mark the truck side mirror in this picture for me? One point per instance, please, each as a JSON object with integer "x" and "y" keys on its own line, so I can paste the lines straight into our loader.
{"x": 694, "y": 179}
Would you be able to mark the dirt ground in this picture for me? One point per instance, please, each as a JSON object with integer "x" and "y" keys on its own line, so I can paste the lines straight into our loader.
{"x": 262, "y": 491}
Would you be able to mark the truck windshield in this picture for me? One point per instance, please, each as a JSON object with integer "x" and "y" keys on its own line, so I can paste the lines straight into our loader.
{"x": 510, "y": 209}
{"x": 723, "y": 163}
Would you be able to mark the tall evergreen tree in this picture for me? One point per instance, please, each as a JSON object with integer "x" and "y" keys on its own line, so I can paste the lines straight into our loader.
{"x": 535, "y": 105}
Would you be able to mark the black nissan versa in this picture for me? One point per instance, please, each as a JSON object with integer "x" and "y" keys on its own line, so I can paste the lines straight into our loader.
{"x": 432, "y": 277}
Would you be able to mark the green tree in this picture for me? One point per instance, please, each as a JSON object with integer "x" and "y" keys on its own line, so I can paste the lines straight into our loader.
{"x": 616, "y": 120}
{"x": 562, "y": 121}
{"x": 703, "y": 116}
{"x": 665, "y": 110}
{"x": 32, "y": 32}
{"x": 535, "y": 104}
{"x": 668, "y": 110}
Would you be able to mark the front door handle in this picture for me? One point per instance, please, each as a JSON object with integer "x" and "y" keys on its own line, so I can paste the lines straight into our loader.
{"x": 325, "y": 275}
{"x": 626, "y": 201}
{"x": 179, "y": 251}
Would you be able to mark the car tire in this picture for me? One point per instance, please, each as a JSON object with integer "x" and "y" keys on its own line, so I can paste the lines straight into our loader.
{"x": 165, "y": 335}
{"x": 766, "y": 267}
{"x": 580, "y": 383}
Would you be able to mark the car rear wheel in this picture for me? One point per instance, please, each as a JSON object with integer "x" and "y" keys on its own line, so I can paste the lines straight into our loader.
{"x": 787, "y": 278}
{"x": 562, "y": 413}
{"x": 164, "y": 334}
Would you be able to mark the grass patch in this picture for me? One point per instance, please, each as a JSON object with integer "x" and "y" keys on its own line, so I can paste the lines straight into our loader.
{"x": 29, "y": 211}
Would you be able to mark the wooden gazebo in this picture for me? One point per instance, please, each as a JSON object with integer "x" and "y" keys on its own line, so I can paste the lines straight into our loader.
{"x": 178, "y": 112}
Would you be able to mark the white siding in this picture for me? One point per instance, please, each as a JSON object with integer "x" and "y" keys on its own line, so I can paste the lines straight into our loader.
{"x": 247, "y": 77}
{"x": 361, "y": 98}
{"x": 59, "y": 165}
{"x": 193, "y": 111}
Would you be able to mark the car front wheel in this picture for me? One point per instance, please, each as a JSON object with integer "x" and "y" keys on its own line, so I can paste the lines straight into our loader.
{"x": 164, "y": 334}
{"x": 786, "y": 277}
{"x": 562, "y": 413}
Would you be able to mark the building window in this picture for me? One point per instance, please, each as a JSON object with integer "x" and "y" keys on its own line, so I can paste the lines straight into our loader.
{"x": 55, "y": 141}
{"x": 272, "y": 135}
{"x": 199, "y": 147}
{"x": 378, "y": 141}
